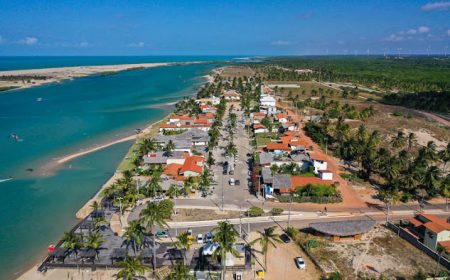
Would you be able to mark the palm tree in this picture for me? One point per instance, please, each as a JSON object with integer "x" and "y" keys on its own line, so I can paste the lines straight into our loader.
{"x": 130, "y": 268}
{"x": 99, "y": 222}
{"x": 430, "y": 151}
{"x": 134, "y": 233}
{"x": 267, "y": 238}
{"x": 95, "y": 206}
{"x": 445, "y": 190}
{"x": 94, "y": 241}
{"x": 148, "y": 145}
{"x": 205, "y": 180}
{"x": 225, "y": 235}
{"x": 444, "y": 155}
{"x": 431, "y": 180}
{"x": 411, "y": 139}
{"x": 153, "y": 217}
{"x": 180, "y": 272}
{"x": 183, "y": 242}
{"x": 72, "y": 242}
{"x": 170, "y": 146}
{"x": 210, "y": 161}
{"x": 399, "y": 141}
{"x": 389, "y": 196}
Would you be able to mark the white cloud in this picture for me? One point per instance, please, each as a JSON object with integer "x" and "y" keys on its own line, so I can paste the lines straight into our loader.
{"x": 394, "y": 38}
{"x": 137, "y": 45}
{"x": 29, "y": 41}
{"x": 436, "y": 6}
{"x": 411, "y": 32}
{"x": 281, "y": 43}
{"x": 423, "y": 29}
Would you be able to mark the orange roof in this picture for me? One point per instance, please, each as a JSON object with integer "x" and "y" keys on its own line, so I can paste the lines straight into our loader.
{"x": 298, "y": 142}
{"x": 261, "y": 114}
{"x": 434, "y": 227}
{"x": 258, "y": 125}
{"x": 186, "y": 118}
{"x": 231, "y": 94}
{"x": 415, "y": 222}
{"x": 206, "y": 116}
{"x": 167, "y": 125}
{"x": 278, "y": 146}
{"x": 281, "y": 116}
{"x": 286, "y": 139}
{"x": 318, "y": 157}
{"x": 172, "y": 169}
{"x": 199, "y": 121}
{"x": 191, "y": 164}
{"x": 435, "y": 223}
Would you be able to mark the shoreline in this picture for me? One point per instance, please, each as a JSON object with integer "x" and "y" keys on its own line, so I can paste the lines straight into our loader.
{"x": 31, "y": 273}
{"x": 24, "y": 77}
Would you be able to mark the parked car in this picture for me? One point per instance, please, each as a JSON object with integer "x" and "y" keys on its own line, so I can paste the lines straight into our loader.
{"x": 285, "y": 238}
{"x": 209, "y": 248}
{"x": 237, "y": 182}
{"x": 300, "y": 263}
{"x": 231, "y": 172}
{"x": 189, "y": 233}
{"x": 200, "y": 238}
{"x": 209, "y": 237}
{"x": 158, "y": 199}
{"x": 162, "y": 233}
{"x": 231, "y": 182}
{"x": 224, "y": 171}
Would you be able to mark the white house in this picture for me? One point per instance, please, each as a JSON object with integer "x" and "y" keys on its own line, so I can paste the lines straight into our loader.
{"x": 281, "y": 118}
{"x": 319, "y": 162}
{"x": 259, "y": 128}
{"x": 325, "y": 175}
{"x": 267, "y": 101}
{"x": 215, "y": 100}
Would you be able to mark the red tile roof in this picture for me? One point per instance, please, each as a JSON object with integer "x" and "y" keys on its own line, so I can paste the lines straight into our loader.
{"x": 278, "y": 146}
{"x": 258, "y": 126}
{"x": 445, "y": 244}
{"x": 172, "y": 169}
{"x": 318, "y": 157}
{"x": 193, "y": 163}
{"x": 281, "y": 116}
{"x": 167, "y": 125}
{"x": 434, "y": 223}
{"x": 260, "y": 114}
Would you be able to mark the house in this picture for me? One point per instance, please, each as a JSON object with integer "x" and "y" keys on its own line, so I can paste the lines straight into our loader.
{"x": 259, "y": 128}
{"x": 194, "y": 137}
{"x": 319, "y": 162}
{"x": 266, "y": 100}
{"x": 231, "y": 95}
{"x": 431, "y": 230}
{"x": 343, "y": 230}
{"x": 278, "y": 148}
{"x": 281, "y": 118}
{"x": 215, "y": 100}
{"x": 205, "y": 108}
{"x": 192, "y": 167}
{"x": 256, "y": 117}
{"x": 325, "y": 175}
{"x": 161, "y": 157}
{"x": 265, "y": 159}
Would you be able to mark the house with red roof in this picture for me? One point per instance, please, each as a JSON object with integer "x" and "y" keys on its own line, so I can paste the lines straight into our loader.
{"x": 281, "y": 118}
{"x": 278, "y": 148}
{"x": 319, "y": 162}
{"x": 192, "y": 167}
{"x": 259, "y": 128}
{"x": 232, "y": 95}
{"x": 431, "y": 230}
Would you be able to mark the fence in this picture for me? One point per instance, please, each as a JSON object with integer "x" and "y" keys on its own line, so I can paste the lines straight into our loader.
{"x": 419, "y": 245}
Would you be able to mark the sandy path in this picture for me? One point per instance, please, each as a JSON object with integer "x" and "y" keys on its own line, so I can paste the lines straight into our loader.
{"x": 434, "y": 117}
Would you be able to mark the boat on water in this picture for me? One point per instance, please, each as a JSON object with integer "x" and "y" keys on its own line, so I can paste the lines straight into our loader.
{"x": 15, "y": 137}
{"x": 39, "y": 99}
{"x": 5, "y": 180}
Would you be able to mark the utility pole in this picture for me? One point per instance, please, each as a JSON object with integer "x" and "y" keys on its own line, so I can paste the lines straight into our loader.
{"x": 222, "y": 193}
{"x": 289, "y": 214}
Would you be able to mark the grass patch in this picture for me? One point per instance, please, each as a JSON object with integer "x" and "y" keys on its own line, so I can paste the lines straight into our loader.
{"x": 263, "y": 139}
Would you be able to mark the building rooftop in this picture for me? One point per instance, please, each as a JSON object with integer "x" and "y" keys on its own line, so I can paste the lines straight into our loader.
{"x": 344, "y": 228}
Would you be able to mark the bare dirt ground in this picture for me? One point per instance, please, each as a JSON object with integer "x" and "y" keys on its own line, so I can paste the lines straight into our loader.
{"x": 281, "y": 263}
{"x": 236, "y": 71}
{"x": 379, "y": 253}
{"x": 189, "y": 215}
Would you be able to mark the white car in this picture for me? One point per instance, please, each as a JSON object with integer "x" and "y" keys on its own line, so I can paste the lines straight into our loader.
{"x": 300, "y": 263}
{"x": 200, "y": 238}
{"x": 231, "y": 182}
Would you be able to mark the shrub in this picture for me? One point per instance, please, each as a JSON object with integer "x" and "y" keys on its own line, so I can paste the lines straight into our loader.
{"x": 276, "y": 211}
{"x": 255, "y": 211}
{"x": 291, "y": 232}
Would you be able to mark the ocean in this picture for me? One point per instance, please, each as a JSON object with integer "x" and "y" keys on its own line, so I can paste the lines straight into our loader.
{"x": 73, "y": 115}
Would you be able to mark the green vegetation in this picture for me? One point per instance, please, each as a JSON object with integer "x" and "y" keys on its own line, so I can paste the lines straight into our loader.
{"x": 412, "y": 74}
{"x": 317, "y": 193}
{"x": 267, "y": 238}
{"x": 276, "y": 211}
{"x": 430, "y": 101}
{"x": 263, "y": 139}
{"x": 255, "y": 211}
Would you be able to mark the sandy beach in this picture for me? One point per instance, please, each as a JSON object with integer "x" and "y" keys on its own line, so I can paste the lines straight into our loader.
{"x": 28, "y": 78}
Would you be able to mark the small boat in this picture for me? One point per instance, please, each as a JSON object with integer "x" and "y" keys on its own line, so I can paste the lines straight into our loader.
{"x": 39, "y": 99}
{"x": 15, "y": 137}
{"x": 5, "y": 180}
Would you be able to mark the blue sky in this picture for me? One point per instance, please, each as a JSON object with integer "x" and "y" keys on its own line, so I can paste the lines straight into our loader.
{"x": 259, "y": 27}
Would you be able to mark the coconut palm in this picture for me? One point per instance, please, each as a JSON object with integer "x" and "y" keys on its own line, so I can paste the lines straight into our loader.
{"x": 411, "y": 139}
{"x": 131, "y": 267}
{"x": 148, "y": 145}
{"x": 432, "y": 180}
{"x": 72, "y": 242}
{"x": 153, "y": 217}
{"x": 445, "y": 190}
{"x": 267, "y": 238}
{"x": 100, "y": 222}
{"x": 94, "y": 241}
{"x": 444, "y": 156}
{"x": 399, "y": 141}
{"x": 225, "y": 235}
{"x": 168, "y": 149}
{"x": 183, "y": 241}
{"x": 205, "y": 180}
{"x": 134, "y": 233}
